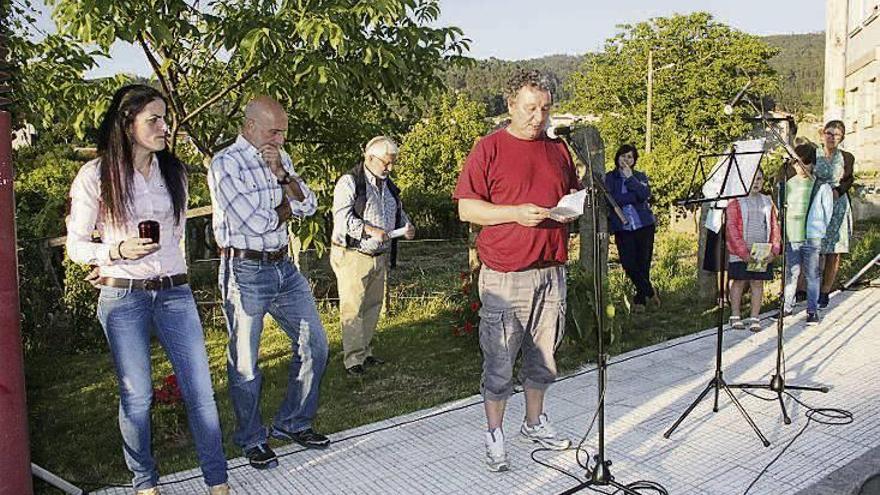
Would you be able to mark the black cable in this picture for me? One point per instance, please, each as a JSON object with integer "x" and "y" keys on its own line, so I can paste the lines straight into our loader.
{"x": 834, "y": 417}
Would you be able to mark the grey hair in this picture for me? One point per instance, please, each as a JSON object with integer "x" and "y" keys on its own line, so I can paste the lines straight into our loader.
{"x": 381, "y": 145}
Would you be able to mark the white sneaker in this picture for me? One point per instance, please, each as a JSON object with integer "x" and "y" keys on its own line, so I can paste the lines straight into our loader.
{"x": 543, "y": 433}
{"x": 496, "y": 457}
{"x": 149, "y": 491}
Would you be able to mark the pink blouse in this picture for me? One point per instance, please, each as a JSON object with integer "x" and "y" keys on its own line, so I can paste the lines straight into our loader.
{"x": 151, "y": 201}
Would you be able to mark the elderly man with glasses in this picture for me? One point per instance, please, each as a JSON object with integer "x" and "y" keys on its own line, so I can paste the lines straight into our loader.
{"x": 368, "y": 218}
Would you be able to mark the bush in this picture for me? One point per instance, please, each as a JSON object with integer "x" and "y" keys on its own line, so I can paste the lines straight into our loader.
{"x": 435, "y": 215}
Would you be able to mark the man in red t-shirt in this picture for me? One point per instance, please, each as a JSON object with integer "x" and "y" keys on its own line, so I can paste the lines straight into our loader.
{"x": 508, "y": 184}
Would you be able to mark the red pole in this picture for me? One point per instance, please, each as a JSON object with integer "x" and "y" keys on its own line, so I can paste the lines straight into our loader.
{"x": 15, "y": 462}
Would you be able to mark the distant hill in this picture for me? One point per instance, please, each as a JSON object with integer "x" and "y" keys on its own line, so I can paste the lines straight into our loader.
{"x": 484, "y": 80}
{"x": 800, "y": 64}
{"x": 801, "y": 67}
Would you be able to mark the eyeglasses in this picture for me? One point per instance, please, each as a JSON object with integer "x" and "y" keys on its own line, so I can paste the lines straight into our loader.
{"x": 385, "y": 163}
{"x": 833, "y": 134}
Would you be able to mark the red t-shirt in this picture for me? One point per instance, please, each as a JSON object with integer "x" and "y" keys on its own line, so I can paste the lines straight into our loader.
{"x": 504, "y": 170}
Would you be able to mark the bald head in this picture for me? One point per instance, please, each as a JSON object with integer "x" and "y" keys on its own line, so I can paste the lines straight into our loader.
{"x": 265, "y": 122}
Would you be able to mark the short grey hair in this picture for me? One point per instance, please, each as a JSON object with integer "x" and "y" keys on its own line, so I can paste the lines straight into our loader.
{"x": 522, "y": 78}
{"x": 380, "y": 146}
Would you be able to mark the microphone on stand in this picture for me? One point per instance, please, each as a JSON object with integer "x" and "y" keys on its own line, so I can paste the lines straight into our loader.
{"x": 728, "y": 109}
{"x": 556, "y": 132}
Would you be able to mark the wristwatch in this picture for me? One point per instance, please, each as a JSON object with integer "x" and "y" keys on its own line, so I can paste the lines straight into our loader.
{"x": 287, "y": 179}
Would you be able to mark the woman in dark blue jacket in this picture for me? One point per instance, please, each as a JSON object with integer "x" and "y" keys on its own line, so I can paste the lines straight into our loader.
{"x": 635, "y": 239}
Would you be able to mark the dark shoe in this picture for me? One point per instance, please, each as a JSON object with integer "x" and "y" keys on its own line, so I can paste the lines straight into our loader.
{"x": 356, "y": 370}
{"x": 373, "y": 361}
{"x": 785, "y": 314}
{"x": 823, "y": 300}
{"x": 812, "y": 319}
{"x": 261, "y": 457}
{"x": 308, "y": 438}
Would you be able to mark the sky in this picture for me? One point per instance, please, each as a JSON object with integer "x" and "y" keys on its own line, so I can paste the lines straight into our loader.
{"x": 520, "y": 29}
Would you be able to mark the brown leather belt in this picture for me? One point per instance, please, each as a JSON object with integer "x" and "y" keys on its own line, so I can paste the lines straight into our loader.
{"x": 250, "y": 254}
{"x": 144, "y": 284}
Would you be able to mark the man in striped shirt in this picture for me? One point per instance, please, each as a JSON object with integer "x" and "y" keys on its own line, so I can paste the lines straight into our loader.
{"x": 255, "y": 190}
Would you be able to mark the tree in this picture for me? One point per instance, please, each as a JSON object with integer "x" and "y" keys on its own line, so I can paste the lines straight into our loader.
{"x": 344, "y": 69}
{"x": 711, "y": 63}
{"x": 431, "y": 156}
{"x": 433, "y": 151}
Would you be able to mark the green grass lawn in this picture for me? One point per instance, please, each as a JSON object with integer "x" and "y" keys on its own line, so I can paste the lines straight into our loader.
{"x": 72, "y": 399}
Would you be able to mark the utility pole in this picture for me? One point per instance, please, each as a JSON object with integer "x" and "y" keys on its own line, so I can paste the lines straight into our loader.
{"x": 648, "y": 120}
{"x": 15, "y": 462}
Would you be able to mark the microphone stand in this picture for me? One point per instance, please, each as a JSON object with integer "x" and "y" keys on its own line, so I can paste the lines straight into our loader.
{"x": 777, "y": 381}
{"x": 600, "y": 475}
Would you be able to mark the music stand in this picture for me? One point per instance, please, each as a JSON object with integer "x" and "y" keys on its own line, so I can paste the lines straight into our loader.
{"x": 777, "y": 381}
{"x": 600, "y": 475}
{"x": 726, "y": 181}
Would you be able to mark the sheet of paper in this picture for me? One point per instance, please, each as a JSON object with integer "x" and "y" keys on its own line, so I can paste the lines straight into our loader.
{"x": 569, "y": 206}
{"x": 760, "y": 250}
{"x": 394, "y": 234}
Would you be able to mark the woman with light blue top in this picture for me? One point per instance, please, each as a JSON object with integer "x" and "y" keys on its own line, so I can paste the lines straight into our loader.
{"x": 635, "y": 238}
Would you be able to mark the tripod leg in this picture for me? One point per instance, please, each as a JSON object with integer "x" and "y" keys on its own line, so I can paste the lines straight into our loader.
{"x": 715, "y": 404}
{"x": 690, "y": 408}
{"x": 823, "y": 389}
{"x": 746, "y": 415}
{"x": 785, "y": 417}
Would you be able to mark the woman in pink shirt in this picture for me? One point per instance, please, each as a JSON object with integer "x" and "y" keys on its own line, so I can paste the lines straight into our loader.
{"x": 143, "y": 280}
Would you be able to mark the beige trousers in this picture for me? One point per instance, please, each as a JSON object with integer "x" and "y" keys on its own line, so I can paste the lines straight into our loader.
{"x": 360, "y": 279}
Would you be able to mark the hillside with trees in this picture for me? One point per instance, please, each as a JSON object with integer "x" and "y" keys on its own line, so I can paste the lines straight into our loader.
{"x": 799, "y": 64}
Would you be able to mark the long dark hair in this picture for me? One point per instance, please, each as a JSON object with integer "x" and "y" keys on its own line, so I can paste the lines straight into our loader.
{"x": 116, "y": 150}
{"x": 626, "y": 148}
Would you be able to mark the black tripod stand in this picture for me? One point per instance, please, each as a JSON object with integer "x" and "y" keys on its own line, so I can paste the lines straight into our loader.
{"x": 600, "y": 474}
{"x": 777, "y": 381}
{"x": 717, "y": 383}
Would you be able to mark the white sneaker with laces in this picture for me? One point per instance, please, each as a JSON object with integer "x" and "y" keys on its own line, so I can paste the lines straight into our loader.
{"x": 496, "y": 457}
{"x": 544, "y": 434}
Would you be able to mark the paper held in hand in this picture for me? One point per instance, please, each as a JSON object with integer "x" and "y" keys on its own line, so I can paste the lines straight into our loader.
{"x": 394, "y": 234}
{"x": 760, "y": 252}
{"x": 569, "y": 207}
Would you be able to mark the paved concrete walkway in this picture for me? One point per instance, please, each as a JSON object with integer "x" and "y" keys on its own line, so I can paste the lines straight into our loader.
{"x": 439, "y": 451}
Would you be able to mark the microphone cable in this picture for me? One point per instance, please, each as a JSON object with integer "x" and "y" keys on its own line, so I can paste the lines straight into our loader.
{"x": 828, "y": 416}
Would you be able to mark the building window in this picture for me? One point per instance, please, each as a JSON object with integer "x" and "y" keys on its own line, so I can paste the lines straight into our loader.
{"x": 854, "y": 15}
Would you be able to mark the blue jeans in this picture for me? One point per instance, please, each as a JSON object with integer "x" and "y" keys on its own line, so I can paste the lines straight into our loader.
{"x": 128, "y": 317}
{"x": 802, "y": 256}
{"x": 251, "y": 289}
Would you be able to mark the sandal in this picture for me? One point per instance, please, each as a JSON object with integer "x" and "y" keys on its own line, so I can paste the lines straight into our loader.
{"x": 736, "y": 323}
{"x": 754, "y": 325}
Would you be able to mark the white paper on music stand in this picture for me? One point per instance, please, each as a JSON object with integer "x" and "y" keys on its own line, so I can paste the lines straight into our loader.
{"x": 747, "y": 164}
{"x": 569, "y": 206}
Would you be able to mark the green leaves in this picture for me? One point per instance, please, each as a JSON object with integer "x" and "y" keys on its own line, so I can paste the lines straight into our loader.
{"x": 698, "y": 64}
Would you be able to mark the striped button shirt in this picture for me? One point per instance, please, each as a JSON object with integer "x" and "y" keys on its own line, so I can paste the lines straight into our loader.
{"x": 245, "y": 194}
{"x": 380, "y": 211}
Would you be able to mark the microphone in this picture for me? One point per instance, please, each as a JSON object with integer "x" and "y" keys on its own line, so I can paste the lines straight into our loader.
{"x": 728, "y": 109}
{"x": 555, "y": 132}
